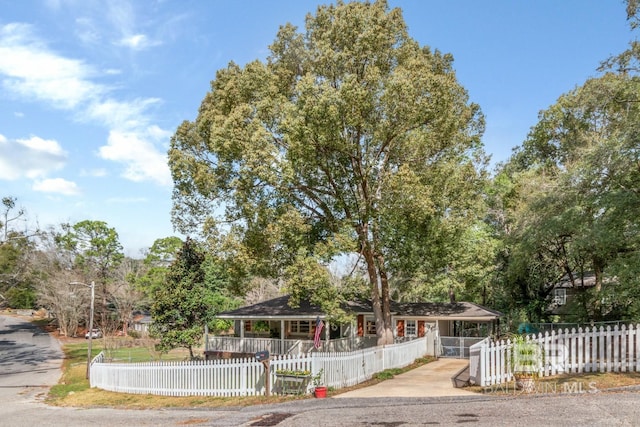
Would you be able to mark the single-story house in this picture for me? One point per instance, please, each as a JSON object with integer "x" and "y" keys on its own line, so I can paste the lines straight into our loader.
{"x": 140, "y": 322}
{"x": 275, "y": 320}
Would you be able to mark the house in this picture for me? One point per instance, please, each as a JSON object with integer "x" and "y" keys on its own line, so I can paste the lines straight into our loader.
{"x": 275, "y": 325}
{"x": 140, "y": 322}
{"x": 564, "y": 294}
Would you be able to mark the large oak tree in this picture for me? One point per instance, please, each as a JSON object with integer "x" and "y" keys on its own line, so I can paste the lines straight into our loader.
{"x": 349, "y": 138}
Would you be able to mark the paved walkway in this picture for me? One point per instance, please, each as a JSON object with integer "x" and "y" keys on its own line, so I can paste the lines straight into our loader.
{"x": 432, "y": 379}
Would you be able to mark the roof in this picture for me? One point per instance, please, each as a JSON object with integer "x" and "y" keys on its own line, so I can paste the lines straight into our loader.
{"x": 278, "y": 308}
{"x": 275, "y": 308}
{"x": 142, "y": 318}
{"x": 440, "y": 310}
{"x": 588, "y": 280}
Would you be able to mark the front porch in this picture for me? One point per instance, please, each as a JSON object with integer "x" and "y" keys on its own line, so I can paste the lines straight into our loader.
{"x": 218, "y": 346}
{"x": 281, "y": 329}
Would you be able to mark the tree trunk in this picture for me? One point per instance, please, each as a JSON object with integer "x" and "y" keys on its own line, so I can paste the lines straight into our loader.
{"x": 597, "y": 270}
{"x": 380, "y": 300}
{"x": 386, "y": 337}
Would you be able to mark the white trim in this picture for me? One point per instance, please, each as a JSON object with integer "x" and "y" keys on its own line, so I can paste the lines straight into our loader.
{"x": 406, "y": 328}
{"x": 559, "y": 296}
{"x": 365, "y": 331}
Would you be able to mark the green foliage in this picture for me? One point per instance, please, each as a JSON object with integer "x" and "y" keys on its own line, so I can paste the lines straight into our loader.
{"x": 21, "y": 297}
{"x": 95, "y": 245}
{"x": 293, "y": 373}
{"x": 526, "y": 357}
{"x": 16, "y": 275}
{"x": 133, "y": 333}
{"x": 189, "y": 300}
{"x": 350, "y": 139}
{"x": 156, "y": 264}
{"x": 387, "y": 374}
{"x": 577, "y": 203}
{"x": 317, "y": 378}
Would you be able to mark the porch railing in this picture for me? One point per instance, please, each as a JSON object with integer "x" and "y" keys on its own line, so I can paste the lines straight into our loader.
{"x": 285, "y": 346}
{"x": 457, "y": 347}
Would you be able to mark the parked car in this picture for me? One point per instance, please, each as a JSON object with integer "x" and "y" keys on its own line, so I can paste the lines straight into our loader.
{"x": 95, "y": 333}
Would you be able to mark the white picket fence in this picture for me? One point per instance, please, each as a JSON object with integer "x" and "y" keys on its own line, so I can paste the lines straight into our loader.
{"x": 245, "y": 377}
{"x": 610, "y": 349}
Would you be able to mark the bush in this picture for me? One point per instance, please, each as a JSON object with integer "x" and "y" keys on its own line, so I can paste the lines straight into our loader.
{"x": 134, "y": 334}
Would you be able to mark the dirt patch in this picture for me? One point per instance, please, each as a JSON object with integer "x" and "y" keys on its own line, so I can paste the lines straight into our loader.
{"x": 271, "y": 419}
{"x": 193, "y": 421}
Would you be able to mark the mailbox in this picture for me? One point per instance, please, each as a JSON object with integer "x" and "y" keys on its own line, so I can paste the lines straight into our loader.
{"x": 262, "y": 356}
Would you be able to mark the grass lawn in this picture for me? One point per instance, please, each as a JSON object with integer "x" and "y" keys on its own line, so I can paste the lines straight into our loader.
{"x": 567, "y": 383}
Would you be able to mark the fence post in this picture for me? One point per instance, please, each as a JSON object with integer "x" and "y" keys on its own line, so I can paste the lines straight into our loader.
{"x": 623, "y": 348}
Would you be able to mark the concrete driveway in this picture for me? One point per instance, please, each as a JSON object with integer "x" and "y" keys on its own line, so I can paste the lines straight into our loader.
{"x": 430, "y": 380}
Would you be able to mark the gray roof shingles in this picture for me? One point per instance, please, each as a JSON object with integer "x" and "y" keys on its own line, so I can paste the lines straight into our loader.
{"x": 279, "y": 307}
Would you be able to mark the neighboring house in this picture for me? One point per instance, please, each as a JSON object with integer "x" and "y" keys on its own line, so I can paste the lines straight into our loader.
{"x": 140, "y": 323}
{"x": 564, "y": 295}
{"x": 565, "y": 291}
{"x": 275, "y": 320}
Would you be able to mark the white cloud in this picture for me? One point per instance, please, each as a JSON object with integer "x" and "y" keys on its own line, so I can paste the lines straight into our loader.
{"x": 86, "y": 31}
{"x": 43, "y": 145}
{"x": 120, "y": 114}
{"x": 18, "y": 114}
{"x": 137, "y": 151}
{"x": 101, "y": 172}
{"x": 121, "y": 15}
{"x": 137, "y": 42}
{"x": 56, "y": 185}
{"x": 32, "y": 72}
{"x": 31, "y": 158}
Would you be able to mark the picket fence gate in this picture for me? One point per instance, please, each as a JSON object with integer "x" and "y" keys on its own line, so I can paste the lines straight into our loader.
{"x": 246, "y": 377}
{"x": 574, "y": 351}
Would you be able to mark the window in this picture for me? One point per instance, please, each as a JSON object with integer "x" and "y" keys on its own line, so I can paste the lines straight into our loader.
{"x": 369, "y": 326}
{"x": 410, "y": 328}
{"x": 560, "y": 296}
{"x": 256, "y": 326}
{"x": 300, "y": 326}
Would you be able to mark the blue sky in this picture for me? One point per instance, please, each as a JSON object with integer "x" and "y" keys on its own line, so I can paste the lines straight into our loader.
{"x": 91, "y": 91}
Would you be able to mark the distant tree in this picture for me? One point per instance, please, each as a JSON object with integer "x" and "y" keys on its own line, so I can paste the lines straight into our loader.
{"x": 97, "y": 252}
{"x": 16, "y": 249}
{"x": 350, "y": 139}
{"x": 124, "y": 296}
{"x": 153, "y": 271}
{"x": 66, "y": 302}
{"x": 9, "y": 215}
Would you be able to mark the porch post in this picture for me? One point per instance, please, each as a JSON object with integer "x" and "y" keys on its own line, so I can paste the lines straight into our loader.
{"x": 282, "y": 331}
{"x": 241, "y": 328}
{"x": 326, "y": 331}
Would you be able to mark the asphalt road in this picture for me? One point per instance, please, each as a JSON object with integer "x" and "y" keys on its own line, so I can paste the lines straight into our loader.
{"x": 30, "y": 362}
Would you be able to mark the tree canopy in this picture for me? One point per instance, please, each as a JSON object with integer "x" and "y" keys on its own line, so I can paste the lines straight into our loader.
{"x": 349, "y": 138}
{"x": 578, "y": 200}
